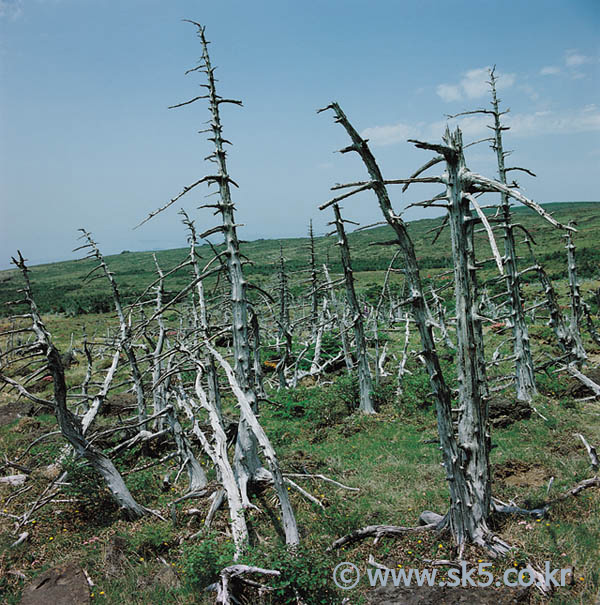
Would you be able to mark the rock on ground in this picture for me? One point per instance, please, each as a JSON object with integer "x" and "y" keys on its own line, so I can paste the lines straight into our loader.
{"x": 63, "y": 585}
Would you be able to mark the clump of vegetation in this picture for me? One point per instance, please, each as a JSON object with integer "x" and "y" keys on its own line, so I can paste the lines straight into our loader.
{"x": 203, "y": 561}
{"x": 305, "y": 574}
{"x": 153, "y": 538}
{"x": 85, "y": 485}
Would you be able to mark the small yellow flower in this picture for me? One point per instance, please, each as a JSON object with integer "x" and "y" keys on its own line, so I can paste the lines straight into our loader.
{"x": 101, "y": 592}
{"x": 582, "y": 578}
{"x": 440, "y": 546}
{"x": 141, "y": 558}
{"x": 51, "y": 538}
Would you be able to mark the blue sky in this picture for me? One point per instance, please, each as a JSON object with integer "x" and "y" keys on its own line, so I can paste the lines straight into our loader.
{"x": 87, "y": 139}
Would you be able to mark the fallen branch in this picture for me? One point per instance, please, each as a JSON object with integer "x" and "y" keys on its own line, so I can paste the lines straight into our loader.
{"x": 323, "y": 478}
{"x": 378, "y": 531}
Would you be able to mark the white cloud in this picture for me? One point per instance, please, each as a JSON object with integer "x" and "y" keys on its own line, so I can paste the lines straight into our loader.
{"x": 574, "y": 59}
{"x": 448, "y": 93}
{"x": 473, "y": 85}
{"x": 575, "y": 121}
{"x": 550, "y": 70}
{"x": 586, "y": 119}
{"x": 388, "y": 135}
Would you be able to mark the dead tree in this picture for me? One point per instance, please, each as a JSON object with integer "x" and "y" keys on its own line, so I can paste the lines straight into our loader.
{"x": 125, "y": 340}
{"x": 579, "y": 307}
{"x": 473, "y": 427}
{"x": 314, "y": 283}
{"x": 200, "y": 312}
{"x": 70, "y": 425}
{"x": 246, "y": 463}
{"x": 365, "y": 382}
{"x": 339, "y": 315}
{"x": 196, "y": 475}
{"x": 524, "y": 370}
{"x": 569, "y": 342}
{"x": 284, "y": 343}
{"x": 416, "y": 297}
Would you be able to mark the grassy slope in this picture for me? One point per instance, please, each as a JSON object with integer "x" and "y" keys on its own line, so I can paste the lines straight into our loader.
{"x": 61, "y": 288}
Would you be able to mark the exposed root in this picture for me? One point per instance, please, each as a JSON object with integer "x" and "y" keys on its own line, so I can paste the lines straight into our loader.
{"x": 230, "y": 574}
{"x": 307, "y": 495}
{"x": 510, "y": 509}
{"x": 585, "y": 484}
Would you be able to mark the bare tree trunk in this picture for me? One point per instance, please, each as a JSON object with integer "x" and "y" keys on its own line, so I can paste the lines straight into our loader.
{"x": 218, "y": 454}
{"x": 365, "y": 382}
{"x": 285, "y": 336}
{"x": 314, "y": 284}
{"x": 340, "y": 321}
{"x": 469, "y": 515}
{"x": 567, "y": 340}
{"x": 577, "y": 305}
{"x": 246, "y": 463}
{"x": 440, "y": 390}
{"x": 524, "y": 372}
{"x": 125, "y": 327}
{"x": 214, "y": 393}
{"x": 196, "y": 475}
{"x": 256, "y": 367}
{"x": 246, "y": 411}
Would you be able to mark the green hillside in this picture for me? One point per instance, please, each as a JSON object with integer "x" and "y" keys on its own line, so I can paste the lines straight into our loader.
{"x": 60, "y": 286}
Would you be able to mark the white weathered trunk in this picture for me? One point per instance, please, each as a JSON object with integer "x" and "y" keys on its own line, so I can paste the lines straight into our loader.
{"x": 340, "y": 321}
{"x": 248, "y": 414}
{"x": 217, "y": 451}
{"x": 577, "y": 305}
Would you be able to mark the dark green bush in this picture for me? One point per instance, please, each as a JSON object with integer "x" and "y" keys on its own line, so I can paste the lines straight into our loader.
{"x": 202, "y": 562}
{"x": 305, "y": 574}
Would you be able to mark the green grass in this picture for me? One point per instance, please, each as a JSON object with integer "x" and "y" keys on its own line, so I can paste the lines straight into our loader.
{"x": 388, "y": 456}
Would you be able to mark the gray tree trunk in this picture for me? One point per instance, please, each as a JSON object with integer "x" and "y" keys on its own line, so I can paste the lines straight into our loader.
{"x": 524, "y": 371}
{"x": 365, "y": 383}
{"x": 246, "y": 462}
{"x": 285, "y": 336}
